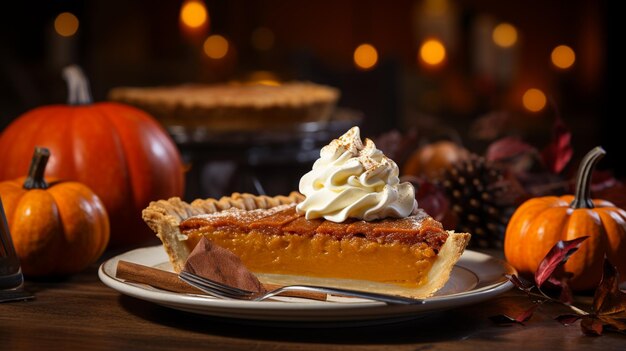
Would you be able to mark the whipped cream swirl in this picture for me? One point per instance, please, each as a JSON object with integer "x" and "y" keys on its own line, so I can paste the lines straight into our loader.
{"x": 355, "y": 180}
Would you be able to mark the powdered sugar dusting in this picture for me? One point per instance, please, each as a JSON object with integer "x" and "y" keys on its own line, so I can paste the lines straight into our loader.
{"x": 240, "y": 214}
{"x": 418, "y": 217}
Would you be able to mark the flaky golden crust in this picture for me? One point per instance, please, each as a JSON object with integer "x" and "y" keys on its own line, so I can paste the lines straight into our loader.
{"x": 447, "y": 257}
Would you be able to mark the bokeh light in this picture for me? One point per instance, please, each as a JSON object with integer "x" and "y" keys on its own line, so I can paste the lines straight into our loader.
{"x": 563, "y": 57}
{"x": 504, "y": 35}
{"x": 365, "y": 56}
{"x": 194, "y": 14}
{"x": 66, "y": 24}
{"x": 534, "y": 100}
{"x": 262, "y": 39}
{"x": 216, "y": 46}
{"x": 432, "y": 52}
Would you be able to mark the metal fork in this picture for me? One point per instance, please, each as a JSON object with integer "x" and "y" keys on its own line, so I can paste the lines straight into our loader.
{"x": 222, "y": 291}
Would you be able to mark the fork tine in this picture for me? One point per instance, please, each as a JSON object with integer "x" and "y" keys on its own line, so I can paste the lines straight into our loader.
{"x": 209, "y": 291}
{"x": 213, "y": 285}
{"x": 217, "y": 285}
{"x": 194, "y": 280}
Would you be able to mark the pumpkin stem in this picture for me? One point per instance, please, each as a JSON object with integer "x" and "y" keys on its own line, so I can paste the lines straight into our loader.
{"x": 35, "y": 179}
{"x": 582, "y": 197}
{"x": 77, "y": 86}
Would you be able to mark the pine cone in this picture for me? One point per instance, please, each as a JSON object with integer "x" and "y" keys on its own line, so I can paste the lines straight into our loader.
{"x": 482, "y": 198}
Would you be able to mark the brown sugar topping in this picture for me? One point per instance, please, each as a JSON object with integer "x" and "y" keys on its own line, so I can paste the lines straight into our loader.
{"x": 233, "y": 218}
{"x": 418, "y": 228}
{"x": 337, "y": 230}
{"x": 409, "y": 230}
{"x": 273, "y": 224}
{"x": 303, "y": 226}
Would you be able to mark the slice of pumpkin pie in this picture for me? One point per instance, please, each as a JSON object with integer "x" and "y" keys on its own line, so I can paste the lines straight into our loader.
{"x": 351, "y": 225}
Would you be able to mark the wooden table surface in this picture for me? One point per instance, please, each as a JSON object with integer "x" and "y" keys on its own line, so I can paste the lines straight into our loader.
{"x": 81, "y": 313}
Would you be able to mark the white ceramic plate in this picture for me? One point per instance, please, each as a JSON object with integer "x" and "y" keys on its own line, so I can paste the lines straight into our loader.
{"x": 475, "y": 278}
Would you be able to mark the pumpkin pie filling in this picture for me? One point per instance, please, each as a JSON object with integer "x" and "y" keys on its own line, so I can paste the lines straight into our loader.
{"x": 281, "y": 241}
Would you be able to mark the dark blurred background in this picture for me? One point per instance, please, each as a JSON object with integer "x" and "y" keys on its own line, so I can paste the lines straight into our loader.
{"x": 499, "y": 59}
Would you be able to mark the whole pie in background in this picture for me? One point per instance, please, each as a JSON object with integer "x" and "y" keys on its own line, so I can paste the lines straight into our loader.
{"x": 228, "y": 107}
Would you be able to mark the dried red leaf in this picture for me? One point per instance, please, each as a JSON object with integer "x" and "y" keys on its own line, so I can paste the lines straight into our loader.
{"x": 559, "y": 151}
{"x": 566, "y": 295}
{"x": 568, "y": 319}
{"x": 526, "y": 315}
{"x": 608, "y": 298}
{"x": 559, "y": 279}
{"x": 613, "y": 323}
{"x": 558, "y": 255}
{"x": 519, "y": 318}
{"x": 609, "y": 302}
{"x": 591, "y": 326}
{"x": 519, "y": 282}
{"x": 508, "y": 148}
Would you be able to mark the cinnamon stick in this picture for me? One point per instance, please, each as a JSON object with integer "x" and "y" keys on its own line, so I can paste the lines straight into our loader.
{"x": 169, "y": 281}
{"x": 155, "y": 277}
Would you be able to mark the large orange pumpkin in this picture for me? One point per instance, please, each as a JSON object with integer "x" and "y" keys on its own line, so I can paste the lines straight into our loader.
{"x": 57, "y": 227}
{"x": 120, "y": 152}
{"x": 541, "y": 222}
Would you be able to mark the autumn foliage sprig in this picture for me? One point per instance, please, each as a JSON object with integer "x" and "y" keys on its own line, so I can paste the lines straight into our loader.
{"x": 608, "y": 310}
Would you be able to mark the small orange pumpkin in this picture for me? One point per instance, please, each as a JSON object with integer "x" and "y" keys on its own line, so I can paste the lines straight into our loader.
{"x": 432, "y": 159}
{"x": 540, "y": 222}
{"x": 58, "y": 227}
